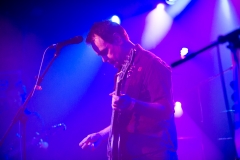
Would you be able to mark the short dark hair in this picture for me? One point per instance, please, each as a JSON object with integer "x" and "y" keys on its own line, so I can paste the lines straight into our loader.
{"x": 106, "y": 29}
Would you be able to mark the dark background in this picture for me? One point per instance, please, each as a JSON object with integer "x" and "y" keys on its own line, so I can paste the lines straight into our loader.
{"x": 74, "y": 99}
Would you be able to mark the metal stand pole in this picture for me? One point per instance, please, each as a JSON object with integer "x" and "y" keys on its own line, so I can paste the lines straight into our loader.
{"x": 20, "y": 115}
{"x": 234, "y": 45}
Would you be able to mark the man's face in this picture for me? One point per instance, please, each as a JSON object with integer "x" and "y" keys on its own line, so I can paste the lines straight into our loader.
{"x": 110, "y": 53}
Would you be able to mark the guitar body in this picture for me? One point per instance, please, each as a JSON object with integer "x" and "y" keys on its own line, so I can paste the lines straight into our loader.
{"x": 114, "y": 142}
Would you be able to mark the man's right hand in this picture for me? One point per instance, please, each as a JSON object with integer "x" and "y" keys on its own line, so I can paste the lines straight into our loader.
{"x": 91, "y": 141}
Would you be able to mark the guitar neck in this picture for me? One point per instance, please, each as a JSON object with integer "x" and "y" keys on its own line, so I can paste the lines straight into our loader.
{"x": 115, "y": 130}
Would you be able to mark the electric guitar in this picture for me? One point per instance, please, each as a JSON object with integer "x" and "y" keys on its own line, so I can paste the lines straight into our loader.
{"x": 114, "y": 141}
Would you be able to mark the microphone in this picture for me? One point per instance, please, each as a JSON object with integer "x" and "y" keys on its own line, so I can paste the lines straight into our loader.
{"x": 74, "y": 40}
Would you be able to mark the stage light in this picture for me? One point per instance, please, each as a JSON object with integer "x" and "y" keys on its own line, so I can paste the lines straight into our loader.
{"x": 184, "y": 52}
{"x": 171, "y": 2}
{"x": 178, "y": 109}
{"x": 225, "y": 17}
{"x": 160, "y": 6}
{"x": 115, "y": 19}
{"x": 157, "y": 25}
{"x": 177, "y": 8}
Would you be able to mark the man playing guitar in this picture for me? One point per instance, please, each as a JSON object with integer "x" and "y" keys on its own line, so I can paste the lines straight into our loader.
{"x": 142, "y": 125}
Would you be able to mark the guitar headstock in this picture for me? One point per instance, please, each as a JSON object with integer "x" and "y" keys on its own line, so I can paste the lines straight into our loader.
{"x": 125, "y": 67}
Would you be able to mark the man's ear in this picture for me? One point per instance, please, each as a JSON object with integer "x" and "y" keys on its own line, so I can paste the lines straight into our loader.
{"x": 117, "y": 39}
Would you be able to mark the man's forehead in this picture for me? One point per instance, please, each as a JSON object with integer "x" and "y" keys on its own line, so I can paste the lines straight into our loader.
{"x": 97, "y": 39}
{"x": 98, "y": 43}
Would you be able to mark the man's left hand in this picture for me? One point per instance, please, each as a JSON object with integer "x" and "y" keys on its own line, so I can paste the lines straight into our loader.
{"x": 121, "y": 103}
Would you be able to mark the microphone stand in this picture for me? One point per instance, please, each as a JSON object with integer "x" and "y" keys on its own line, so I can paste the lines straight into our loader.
{"x": 233, "y": 39}
{"x": 21, "y": 117}
{"x": 234, "y": 46}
